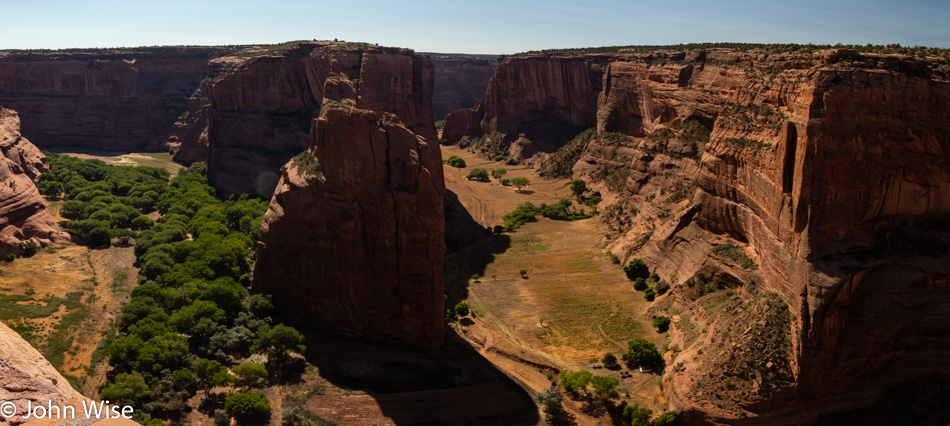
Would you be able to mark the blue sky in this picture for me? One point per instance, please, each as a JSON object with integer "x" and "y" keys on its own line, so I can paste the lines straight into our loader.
{"x": 485, "y": 26}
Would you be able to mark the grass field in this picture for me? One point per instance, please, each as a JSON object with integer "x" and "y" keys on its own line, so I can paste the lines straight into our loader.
{"x": 62, "y": 301}
{"x": 152, "y": 159}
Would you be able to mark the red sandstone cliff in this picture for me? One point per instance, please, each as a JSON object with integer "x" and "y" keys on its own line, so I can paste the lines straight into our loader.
{"x": 262, "y": 101}
{"x": 355, "y": 237}
{"x": 828, "y": 170}
{"x": 119, "y": 100}
{"x": 460, "y": 81}
{"x": 23, "y": 214}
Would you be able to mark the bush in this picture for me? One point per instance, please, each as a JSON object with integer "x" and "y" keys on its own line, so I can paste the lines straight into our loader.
{"x": 661, "y": 323}
{"x": 666, "y": 419}
{"x": 524, "y": 213}
{"x": 735, "y": 253}
{"x": 478, "y": 175}
{"x": 575, "y": 381}
{"x": 637, "y": 268}
{"x": 649, "y": 294}
{"x": 251, "y": 375}
{"x": 461, "y": 309}
{"x": 609, "y": 359}
{"x": 637, "y": 416}
{"x": 655, "y": 277}
{"x": 578, "y": 187}
{"x": 10, "y": 257}
{"x": 640, "y": 284}
{"x": 248, "y": 407}
{"x": 511, "y": 162}
{"x": 499, "y": 173}
{"x": 100, "y": 236}
{"x": 523, "y": 272}
{"x": 456, "y": 161}
{"x": 662, "y": 287}
{"x": 28, "y": 249}
{"x": 504, "y": 181}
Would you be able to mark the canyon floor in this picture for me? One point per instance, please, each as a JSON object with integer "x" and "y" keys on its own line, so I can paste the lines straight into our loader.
{"x": 574, "y": 304}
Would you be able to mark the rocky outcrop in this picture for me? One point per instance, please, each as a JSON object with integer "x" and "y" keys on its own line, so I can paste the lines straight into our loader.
{"x": 23, "y": 214}
{"x": 262, "y": 102}
{"x": 355, "y": 234}
{"x": 826, "y": 171}
{"x": 114, "y": 99}
{"x": 460, "y": 81}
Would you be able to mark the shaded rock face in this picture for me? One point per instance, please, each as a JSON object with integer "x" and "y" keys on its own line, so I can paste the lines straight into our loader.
{"x": 23, "y": 214}
{"x": 262, "y": 104}
{"x": 830, "y": 174}
{"x": 116, "y": 100}
{"x": 355, "y": 238}
{"x": 460, "y": 81}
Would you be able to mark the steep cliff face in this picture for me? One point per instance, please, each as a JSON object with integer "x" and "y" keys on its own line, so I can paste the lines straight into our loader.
{"x": 118, "y": 100}
{"x": 23, "y": 214}
{"x": 355, "y": 233}
{"x": 263, "y": 100}
{"x": 460, "y": 81}
{"x": 827, "y": 172}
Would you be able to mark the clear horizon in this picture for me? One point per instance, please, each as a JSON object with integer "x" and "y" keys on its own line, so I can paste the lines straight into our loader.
{"x": 490, "y": 27}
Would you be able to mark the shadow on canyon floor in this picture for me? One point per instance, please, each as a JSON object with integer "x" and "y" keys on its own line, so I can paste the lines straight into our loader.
{"x": 453, "y": 384}
{"x": 470, "y": 248}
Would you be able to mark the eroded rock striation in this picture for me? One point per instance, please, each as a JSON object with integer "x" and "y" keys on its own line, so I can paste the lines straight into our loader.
{"x": 460, "y": 81}
{"x": 23, "y": 214}
{"x": 355, "y": 233}
{"x": 262, "y": 102}
{"x": 113, "y": 99}
{"x": 821, "y": 177}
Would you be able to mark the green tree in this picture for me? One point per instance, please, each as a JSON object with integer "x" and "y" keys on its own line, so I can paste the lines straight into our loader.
{"x": 99, "y": 236}
{"x": 649, "y": 294}
{"x": 52, "y": 189}
{"x": 278, "y": 342}
{"x": 210, "y": 373}
{"x": 456, "y": 161}
{"x": 550, "y": 402}
{"x": 520, "y": 182}
{"x": 578, "y": 187}
{"x": 461, "y": 309}
{"x": 574, "y": 382}
{"x": 642, "y": 353}
{"x": 637, "y": 268}
{"x": 637, "y": 416}
{"x": 666, "y": 419}
{"x": 661, "y": 323}
{"x": 504, "y": 181}
{"x": 250, "y": 375}
{"x": 605, "y": 388}
{"x": 478, "y": 175}
{"x": 248, "y": 407}
{"x": 127, "y": 388}
{"x": 499, "y": 173}
{"x": 640, "y": 284}
{"x": 609, "y": 359}
{"x": 72, "y": 210}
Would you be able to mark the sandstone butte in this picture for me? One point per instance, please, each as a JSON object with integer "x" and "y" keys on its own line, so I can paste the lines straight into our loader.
{"x": 827, "y": 169}
{"x": 460, "y": 81}
{"x": 28, "y": 378}
{"x": 355, "y": 233}
{"x": 23, "y": 214}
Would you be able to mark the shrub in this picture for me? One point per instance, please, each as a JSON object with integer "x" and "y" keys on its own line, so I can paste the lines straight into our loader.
{"x": 28, "y": 249}
{"x": 637, "y": 268}
{"x": 524, "y": 213}
{"x": 575, "y": 381}
{"x": 730, "y": 251}
{"x": 10, "y": 257}
{"x": 511, "y": 162}
{"x": 100, "y": 236}
{"x": 456, "y": 161}
{"x": 609, "y": 359}
{"x": 504, "y": 181}
{"x": 655, "y": 277}
{"x": 478, "y": 175}
{"x": 649, "y": 294}
{"x": 251, "y": 375}
{"x": 666, "y": 419}
{"x": 640, "y": 284}
{"x": 248, "y": 407}
{"x": 662, "y": 287}
{"x": 661, "y": 323}
{"x": 578, "y": 187}
{"x": 523, "y": 273}
{"x": 499, "y": 173}
{"x": 637, "y": 416}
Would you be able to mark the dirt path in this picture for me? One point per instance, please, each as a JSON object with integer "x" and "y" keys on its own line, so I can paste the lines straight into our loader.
{"x": 600, "y": 328}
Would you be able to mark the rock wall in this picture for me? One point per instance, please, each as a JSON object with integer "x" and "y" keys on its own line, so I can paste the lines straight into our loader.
{"x": 115, "y": 99}
{"x": 828, "y": 170}
{"x": 355, "y": 235}
{"x": 460, "y": 81}
{"x": 23, "y": 214}
{"x": 262, "y": 103}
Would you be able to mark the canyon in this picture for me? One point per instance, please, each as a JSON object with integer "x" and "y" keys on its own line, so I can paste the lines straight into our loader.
{"x": 825, "y": 169}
